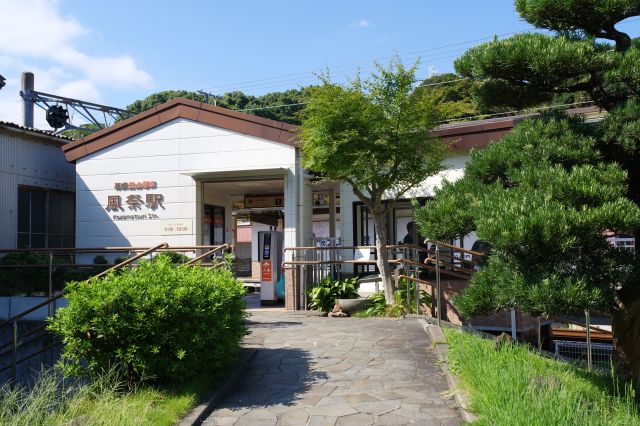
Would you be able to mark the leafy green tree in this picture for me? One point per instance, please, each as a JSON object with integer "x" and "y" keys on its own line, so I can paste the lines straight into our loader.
{"x": 374, "y": 134}
{"x": 452, "y": 94}
{"x": 269, "y": 105}
{"x": 547, "y": 195}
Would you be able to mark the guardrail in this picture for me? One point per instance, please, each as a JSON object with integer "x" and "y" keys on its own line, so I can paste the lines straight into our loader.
{"x": 40, "y": 332}
{"x": 314, "y": 263}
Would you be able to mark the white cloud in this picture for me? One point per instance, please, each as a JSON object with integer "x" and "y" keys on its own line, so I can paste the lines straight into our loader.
{"x": 362, "y": 23}
{"x": 432, "y": 70}
{"x": 36, "y": 37}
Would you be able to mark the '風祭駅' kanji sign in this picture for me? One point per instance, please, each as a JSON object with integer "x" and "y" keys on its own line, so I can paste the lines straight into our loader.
{"x": 135, "y": 203}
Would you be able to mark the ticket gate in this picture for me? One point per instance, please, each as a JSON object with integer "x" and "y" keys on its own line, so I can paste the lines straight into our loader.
{"x": 270, "y": 252}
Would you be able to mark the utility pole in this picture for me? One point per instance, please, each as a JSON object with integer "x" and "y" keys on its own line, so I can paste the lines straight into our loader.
{"x": 206, "y": 97}
{"x": 27, "y": 98}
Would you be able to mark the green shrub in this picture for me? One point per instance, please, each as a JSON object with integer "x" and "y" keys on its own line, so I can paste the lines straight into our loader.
{"x": 379, "y": 307}
{"x": 27, "y": 280}
{"x": 81, "y": 274}
{"x": 120, "y": 259}
{"x": 175, "y": 257}
{"x": 162, "y": 321}
{"x": 323, "y": 295}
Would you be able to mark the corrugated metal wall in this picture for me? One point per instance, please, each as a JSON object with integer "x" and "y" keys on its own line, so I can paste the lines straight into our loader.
{"x": 28, "y": 160}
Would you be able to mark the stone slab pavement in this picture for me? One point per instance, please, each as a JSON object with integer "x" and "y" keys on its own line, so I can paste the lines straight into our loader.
{"x": 310, "y": 370}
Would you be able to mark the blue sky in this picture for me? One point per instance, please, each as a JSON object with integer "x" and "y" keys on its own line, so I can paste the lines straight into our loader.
{"x": 119, "y": 51}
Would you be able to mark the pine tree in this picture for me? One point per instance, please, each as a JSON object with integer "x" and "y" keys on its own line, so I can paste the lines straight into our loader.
{"x": 547, "y": 195}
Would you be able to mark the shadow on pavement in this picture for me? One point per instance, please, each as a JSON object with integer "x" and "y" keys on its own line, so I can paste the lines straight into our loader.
{"x": 275, "y": 324}
{"x": 275, "y": 376}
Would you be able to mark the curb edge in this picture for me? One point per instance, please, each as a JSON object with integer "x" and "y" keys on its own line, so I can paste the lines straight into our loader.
{"x": 198, "y": 414}
{"x": 437, "y": 338}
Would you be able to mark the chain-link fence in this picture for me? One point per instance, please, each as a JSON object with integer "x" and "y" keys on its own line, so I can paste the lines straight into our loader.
{"x": 601, "y": 353}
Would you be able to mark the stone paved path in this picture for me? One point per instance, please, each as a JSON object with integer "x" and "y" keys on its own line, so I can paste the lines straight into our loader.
{"x": 311, "y": 370}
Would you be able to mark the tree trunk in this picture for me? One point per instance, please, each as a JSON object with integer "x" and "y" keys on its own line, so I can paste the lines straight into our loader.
{"x": 380, "y": 218}
{"x": 626, "y": 338}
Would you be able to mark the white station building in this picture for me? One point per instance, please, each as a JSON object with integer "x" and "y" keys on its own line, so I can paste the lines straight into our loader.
{"x": 188, "y": 173}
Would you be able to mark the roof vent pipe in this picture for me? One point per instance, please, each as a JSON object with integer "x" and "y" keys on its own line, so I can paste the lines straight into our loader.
{"x": 27, "y": 99}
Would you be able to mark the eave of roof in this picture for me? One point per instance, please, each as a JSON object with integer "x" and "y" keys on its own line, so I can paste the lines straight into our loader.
{"x": 465, "y": 135}
{"x": 50, "y": 136}
{"x": 247, "y": 124}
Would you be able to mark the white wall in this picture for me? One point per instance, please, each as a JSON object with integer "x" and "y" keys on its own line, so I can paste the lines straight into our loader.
{"x": 168, "y": 154}
{"x": 454, "y": 170}
{"x": 31, "y": 161}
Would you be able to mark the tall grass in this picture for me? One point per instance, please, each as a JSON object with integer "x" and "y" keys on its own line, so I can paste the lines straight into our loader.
{"x": 514, "y": 386}
{"x": 106, "y": 400}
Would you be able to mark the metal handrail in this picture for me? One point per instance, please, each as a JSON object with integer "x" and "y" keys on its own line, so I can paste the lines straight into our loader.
{"x": 455, "y": 248}
{"x": 101, "y": 249}
{"x": 63, "y": 292}
{"x": 13, "y": 320}
{"x": 209, "y": 253}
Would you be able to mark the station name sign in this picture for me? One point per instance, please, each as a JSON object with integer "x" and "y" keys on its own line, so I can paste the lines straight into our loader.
{"x": 140, "y": 206}
{"x": 131, "y": 186}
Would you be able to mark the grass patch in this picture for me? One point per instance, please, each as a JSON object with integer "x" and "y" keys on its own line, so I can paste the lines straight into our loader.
{"x": 362, "y": 314}
{"x": 518, "y": 387}
{"x": 105, "y": 401}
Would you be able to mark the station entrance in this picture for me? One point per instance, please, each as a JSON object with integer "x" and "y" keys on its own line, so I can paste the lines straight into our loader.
{"x": 249, "y": 215}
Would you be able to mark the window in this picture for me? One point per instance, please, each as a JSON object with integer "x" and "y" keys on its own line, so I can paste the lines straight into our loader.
{"x": 46, "y": 219}
{"x": 213, "y": 225}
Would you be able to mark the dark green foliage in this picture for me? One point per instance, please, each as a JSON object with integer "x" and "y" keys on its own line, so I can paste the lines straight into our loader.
{"x": 323, "y": 295}
{"x": 452, "y": 94}
{"x": 527, "y": 68}
{"x": 158, "y": 98}
{"x": 26, "y": 280}
{"x": 262, "y": 106}
{"x": 120, "y": 259}
{"x": 161, "y": 321}
{"x": 175, "y": 257}
{"x": 81, "y": 274}
{"x": 543, "y": 198}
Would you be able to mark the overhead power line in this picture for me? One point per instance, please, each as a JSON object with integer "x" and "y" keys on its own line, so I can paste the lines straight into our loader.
{"x": 354, "y": 67}
{"x": 304, "y": 103}
{"x": 347, "y": 67}
{"x": 462, "y": 119}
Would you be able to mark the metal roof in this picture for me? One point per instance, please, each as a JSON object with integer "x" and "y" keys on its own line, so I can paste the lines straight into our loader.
{"x": 35, "y": 132}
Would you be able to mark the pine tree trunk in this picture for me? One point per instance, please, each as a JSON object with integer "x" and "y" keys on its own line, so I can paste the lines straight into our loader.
{"x": 380, "y": 217}
{"x": 626, "y": 338}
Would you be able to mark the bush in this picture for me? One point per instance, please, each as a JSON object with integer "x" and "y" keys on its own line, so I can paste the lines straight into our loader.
{"x": 162, "y": 321}
{"x": 323, "y": 295}
{"x": 81, "y": 274}
{"x": 176, "y": 258}
{"x": 23, "y": 280}
{"x": 401, "y": 306}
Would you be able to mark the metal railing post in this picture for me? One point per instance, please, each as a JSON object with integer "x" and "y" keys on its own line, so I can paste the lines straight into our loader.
{"x": 49, "y": 310}
{"x": 539, "y": 334}
{"x": 438, "y": 289}
{"x": 588, "y": 332}
{"x": 417, "y": 298}
{"x": 14, "y": 354}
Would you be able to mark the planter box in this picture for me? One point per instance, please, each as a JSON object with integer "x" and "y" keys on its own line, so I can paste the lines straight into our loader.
{"x": 350, "y": 306}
